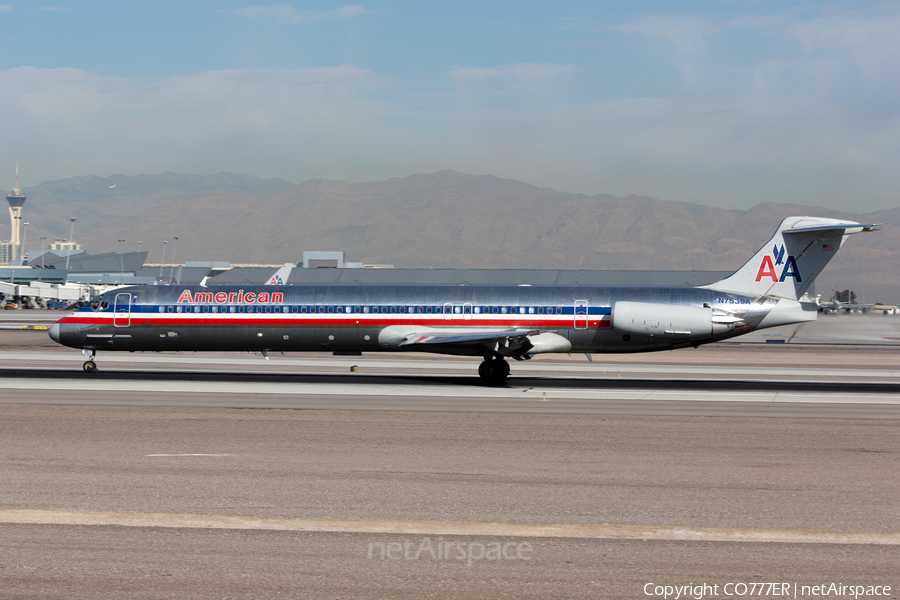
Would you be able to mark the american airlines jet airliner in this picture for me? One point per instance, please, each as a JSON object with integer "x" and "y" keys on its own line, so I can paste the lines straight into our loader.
{"x": 492, "y": 322}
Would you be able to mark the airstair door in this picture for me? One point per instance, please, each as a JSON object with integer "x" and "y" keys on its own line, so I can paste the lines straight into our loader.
{"x": 581, "y": 314}
{"x": 122, "y": 310}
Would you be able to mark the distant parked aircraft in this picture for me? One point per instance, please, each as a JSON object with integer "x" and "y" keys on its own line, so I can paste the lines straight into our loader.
{"x": 281, "y": 275}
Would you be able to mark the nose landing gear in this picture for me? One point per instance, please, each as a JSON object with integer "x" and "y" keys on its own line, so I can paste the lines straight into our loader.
{"x": 89, "y": 366}
{"x": 494, "y": 370}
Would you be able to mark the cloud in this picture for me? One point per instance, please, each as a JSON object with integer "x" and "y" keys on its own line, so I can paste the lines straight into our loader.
{"x": 525, "y": 72}
{"x": 240, "y": 120}
{"x": 285, "y": 13}
{"x": 526, "y": 121}
{"x": 686, "y": 34}
{"x": 7, "y": 8}
{"x": 872, "y": 43}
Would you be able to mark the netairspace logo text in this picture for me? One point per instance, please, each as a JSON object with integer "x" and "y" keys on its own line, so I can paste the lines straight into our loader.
{"x": 442, "y": 550}
{"x": 775, "y": 590}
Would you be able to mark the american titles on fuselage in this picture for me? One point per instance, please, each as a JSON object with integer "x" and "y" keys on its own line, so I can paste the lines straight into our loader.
{"x": 238, "y": 297}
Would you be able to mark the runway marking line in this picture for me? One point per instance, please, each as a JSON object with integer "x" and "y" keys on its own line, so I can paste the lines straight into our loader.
{"x": 468, "y": 528}
{"x": 187, "y": 455}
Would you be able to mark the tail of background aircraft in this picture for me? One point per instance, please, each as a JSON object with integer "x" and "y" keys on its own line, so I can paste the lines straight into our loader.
{"x": 281, "y": 275}
{"x": 788, "y": 263}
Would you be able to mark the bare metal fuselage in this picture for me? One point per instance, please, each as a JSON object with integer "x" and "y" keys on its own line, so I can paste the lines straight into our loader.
{"x": 379, "y": 318}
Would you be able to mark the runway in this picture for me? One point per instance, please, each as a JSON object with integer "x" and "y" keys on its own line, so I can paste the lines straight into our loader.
{"x": 711, "y": 381}
{"x": 209, "y": 476}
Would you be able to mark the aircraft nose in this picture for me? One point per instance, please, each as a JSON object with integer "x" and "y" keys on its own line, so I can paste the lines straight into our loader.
{"x": 54, "y": 332}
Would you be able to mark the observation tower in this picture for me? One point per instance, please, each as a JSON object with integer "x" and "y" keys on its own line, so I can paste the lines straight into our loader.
{"x": 16, "y": 201}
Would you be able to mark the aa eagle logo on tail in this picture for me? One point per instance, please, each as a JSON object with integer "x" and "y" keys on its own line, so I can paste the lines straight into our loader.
{"x": 767, "y": 266}
{"x": 778, "y": 254}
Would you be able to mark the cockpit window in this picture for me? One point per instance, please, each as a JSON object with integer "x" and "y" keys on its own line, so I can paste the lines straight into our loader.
{"x": 98, "y": 304}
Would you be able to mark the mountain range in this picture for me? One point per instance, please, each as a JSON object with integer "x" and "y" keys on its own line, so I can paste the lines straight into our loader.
{"x": 442, "y": 220}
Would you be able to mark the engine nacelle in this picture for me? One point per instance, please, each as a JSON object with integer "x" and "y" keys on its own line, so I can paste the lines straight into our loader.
{"x": 671, "y": 321}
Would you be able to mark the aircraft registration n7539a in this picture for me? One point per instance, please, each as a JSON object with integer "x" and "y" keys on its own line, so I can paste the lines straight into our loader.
{"x": 495, "y": 323}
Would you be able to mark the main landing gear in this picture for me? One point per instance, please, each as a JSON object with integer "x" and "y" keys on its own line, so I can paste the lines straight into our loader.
{"x": 89, "y": 366}
{"x": 494, "y": 370}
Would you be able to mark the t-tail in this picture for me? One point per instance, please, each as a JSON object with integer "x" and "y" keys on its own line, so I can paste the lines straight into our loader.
{"x": 281, "y": 275}
{"x": 787, "y": 264}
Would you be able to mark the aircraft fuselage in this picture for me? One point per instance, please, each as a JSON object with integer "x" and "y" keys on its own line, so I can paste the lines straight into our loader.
{"x": 372, "y": 318}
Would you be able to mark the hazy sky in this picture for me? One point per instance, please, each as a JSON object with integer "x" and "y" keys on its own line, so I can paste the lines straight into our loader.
{"x": 726, "y": 103}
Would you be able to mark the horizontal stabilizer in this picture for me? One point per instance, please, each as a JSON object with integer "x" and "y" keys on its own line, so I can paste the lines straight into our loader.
{"x": 846, "y": 226}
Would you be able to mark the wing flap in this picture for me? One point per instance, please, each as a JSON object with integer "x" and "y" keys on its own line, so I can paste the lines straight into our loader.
{"x": 457, "y": 337}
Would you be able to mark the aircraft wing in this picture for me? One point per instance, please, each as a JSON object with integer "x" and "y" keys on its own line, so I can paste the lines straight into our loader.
{"x": 457, "y": 337}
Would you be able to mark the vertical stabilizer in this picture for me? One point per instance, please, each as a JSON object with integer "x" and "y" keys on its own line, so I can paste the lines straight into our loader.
{"x": 788, "y": 263}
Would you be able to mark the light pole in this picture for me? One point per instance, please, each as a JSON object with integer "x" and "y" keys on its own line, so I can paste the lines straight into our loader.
{"x": 121, "y": 262}
{"x": 23, "y": 251}
{"x": 40, "y": 277}
{"x": 12, "y": 273}
{"x": 163, "y": 260}
{"x": 174, "y": 250}
{"x": 71, "y": 241}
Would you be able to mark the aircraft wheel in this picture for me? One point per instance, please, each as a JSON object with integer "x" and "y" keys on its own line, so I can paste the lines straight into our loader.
{"x": 90, "y": 367}
{"x": 486, "y": 370}
{"x": 503, "y": 367}
{"x": 494, "y": 371}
